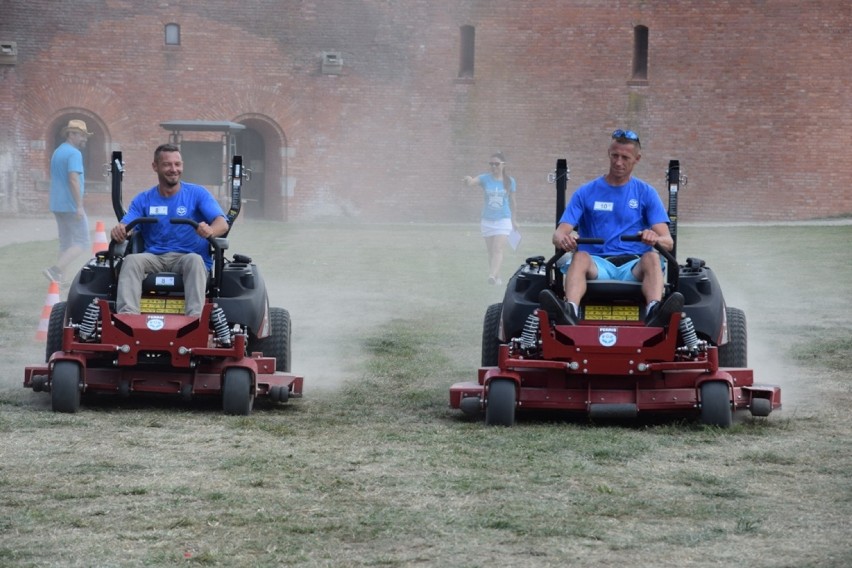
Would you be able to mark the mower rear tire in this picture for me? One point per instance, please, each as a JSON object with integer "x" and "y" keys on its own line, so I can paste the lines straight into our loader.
{"x": 237, "y": 396}
{"x": 716, "y": 404}
{"x": 55, "y": 329}
{"x": 65, "y": 387}
{"x": 735, "y": 352}
{"x": 277, "y": 344}
{"x": 500, "y": 405}
{"x": 490, "y": 340}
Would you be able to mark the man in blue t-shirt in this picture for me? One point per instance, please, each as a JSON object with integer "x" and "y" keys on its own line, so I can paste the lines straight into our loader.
{"x": 67, "y": 187}
{"x": 609, "y": 207}
{"x": 168, "y": 247}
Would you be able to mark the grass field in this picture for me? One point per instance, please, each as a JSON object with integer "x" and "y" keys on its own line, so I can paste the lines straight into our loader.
{"x": 371, "y": 468}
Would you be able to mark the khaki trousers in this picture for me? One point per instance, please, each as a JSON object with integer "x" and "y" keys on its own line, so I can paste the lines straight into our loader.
{"x": 135, "y": 267}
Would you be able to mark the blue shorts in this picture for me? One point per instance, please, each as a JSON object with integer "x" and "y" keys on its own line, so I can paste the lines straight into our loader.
{"x": 609, "y": 271}
{"x": 73, "y": 231}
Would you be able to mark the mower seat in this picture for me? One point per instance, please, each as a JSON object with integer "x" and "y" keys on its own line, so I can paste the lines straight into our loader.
{"x": 170, "y": 283}
{"x": 614, "y": 290}
{"x": 163, "y": 283}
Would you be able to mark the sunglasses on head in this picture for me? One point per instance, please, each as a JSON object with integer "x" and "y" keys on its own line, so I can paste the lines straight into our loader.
{"x": 625, "y": 135}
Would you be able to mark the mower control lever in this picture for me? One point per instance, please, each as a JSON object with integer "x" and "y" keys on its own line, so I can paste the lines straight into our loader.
{"x": 112, "y": 251}
{"x": 183, "y": 221}
{"x": 218, "y": 256}
{"x": 139, "y": 221}
{"x": 635, "y": 238}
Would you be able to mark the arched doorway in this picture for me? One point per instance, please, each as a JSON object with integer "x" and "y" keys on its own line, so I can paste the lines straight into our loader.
{"x": 253, "y": 148}
{"x": 95, "y": 155}
{"x": 263, "y": 148}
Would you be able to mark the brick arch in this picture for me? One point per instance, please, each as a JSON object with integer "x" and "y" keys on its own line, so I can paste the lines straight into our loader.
{"x": 265, "y": 151}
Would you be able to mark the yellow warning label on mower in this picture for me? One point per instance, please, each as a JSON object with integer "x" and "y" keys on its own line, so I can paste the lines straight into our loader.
{"x": 162, "y": 305}
{"x": 610, "y": 313}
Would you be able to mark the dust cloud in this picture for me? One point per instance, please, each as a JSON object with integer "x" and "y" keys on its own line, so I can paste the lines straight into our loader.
{"x": 785, "y": 280}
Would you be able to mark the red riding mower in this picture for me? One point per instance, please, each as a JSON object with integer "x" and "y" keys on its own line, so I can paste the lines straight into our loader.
{"x": 611, "y": 365}
{"x": 238, "y": 349}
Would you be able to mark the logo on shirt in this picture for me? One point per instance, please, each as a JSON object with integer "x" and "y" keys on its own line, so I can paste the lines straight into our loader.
{"x": 158, "y": 210}
{"x": 181, "y": 211}
{"x": 633, "y": 204}
{"x": 604, "y": 206}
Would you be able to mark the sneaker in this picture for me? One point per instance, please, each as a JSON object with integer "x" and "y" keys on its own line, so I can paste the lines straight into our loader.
{"x": 52, "y": 274}
{"x": 557, "y": 310}
{"x": 661, "y": 314}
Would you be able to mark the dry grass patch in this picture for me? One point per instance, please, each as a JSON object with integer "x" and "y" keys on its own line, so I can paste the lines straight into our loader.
{"x": 372, "y": 469}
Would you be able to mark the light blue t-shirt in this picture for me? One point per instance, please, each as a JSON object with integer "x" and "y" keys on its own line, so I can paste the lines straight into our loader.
{"x": 496, "y": 204}
{"x": 66, "y": 158}
{"x": 190, "y": 202}
{"x": 600, "y": 210}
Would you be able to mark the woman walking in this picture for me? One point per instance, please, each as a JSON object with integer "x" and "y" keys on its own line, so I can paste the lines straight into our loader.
{"x": 498, "y": 220}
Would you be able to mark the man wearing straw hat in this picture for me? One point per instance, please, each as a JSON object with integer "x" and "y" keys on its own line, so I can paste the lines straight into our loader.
{"x": 67, "y": 186}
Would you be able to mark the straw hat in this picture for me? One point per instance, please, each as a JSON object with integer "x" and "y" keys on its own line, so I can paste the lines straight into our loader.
{"x": 76, "y": 125}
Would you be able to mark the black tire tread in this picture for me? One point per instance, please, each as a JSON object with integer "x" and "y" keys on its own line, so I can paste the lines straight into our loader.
{"x": 277, "y": 343}
{"x": 490, "y": 341}
{"x": 735, "y": 352}
{"x": 55, "y": 329}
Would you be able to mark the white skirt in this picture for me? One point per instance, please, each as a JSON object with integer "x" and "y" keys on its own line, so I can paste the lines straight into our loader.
{"x": 492, "y": 228}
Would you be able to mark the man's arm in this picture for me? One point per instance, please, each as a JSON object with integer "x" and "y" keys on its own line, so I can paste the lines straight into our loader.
{"x": 74, "y": 186}
{"x": 564, "y": 238}
{"x": 217, "y": 228}
{"x": 658, "y": 235}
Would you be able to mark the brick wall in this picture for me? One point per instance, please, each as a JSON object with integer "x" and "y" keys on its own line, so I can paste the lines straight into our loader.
{"x": 749, "y": 95}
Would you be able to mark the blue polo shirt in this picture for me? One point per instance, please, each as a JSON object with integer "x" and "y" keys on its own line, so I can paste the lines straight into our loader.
{"x": 190, "y": 202}
{"x": 66, "y": 158}
{"x": 600, "y": 210}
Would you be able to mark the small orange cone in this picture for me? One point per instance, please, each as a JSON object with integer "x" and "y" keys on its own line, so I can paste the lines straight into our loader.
{"x": 101, "y": 243}
{"x": 52, "y": 298}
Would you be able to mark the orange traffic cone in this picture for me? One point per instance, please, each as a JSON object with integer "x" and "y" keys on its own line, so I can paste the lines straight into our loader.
{"x": 52, "y": 298}
{"x": 101, "y": 242}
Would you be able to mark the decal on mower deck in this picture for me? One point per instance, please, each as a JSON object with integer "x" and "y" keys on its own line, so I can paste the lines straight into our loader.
{"x": 156, "y": 323}
{"x": 608, "y": 336}
{"x": 161, "y": 305}
{"x": 611, "y": 313}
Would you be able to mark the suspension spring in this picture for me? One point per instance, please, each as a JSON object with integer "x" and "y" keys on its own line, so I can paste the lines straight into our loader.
{"x": 89, "y": 326}
{"x": 687, "y": 332}
{"x": 220, "y": 326}
{"x": 529, "y": 337}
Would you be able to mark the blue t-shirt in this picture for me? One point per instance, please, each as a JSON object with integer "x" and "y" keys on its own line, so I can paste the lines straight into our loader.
{"x": 600, "y": 210}
{"x": 66, "y": 158}
{"x": 190, "y": 202}
{"x": 496, "y": 204}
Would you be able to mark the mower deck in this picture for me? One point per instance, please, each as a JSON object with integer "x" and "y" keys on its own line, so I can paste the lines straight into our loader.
{"x": 161, "y": 354}
{"x": 614, "y": 370}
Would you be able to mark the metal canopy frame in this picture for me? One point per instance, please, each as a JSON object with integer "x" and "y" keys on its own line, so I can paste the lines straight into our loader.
{"x": 227, "y": 128}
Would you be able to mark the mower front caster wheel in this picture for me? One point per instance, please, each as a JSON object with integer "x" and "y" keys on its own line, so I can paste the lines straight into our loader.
{"x": 761, "y": 407}
{"x": 500, "y": 406}
{"x": 65, "y": 387}
{"x": 237, "y": 395}
{"x": 716, "y": 404}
